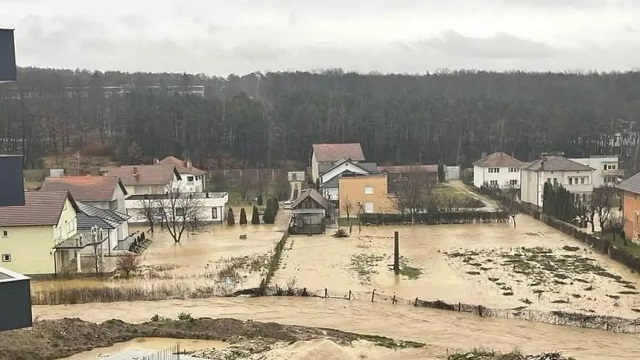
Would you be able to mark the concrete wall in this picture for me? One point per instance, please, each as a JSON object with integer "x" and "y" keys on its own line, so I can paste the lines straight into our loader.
{"x": 134, "y": 209}
{"x": 631, "y": 213}
{"x": 15, "y": 301}
{"x": 600, "y": 175}
{"x": 352, "y": 189}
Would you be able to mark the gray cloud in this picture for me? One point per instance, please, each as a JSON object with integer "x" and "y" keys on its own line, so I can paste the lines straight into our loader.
{"x": 499, "y": 46}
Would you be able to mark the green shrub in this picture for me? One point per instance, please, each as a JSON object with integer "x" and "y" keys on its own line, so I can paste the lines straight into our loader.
{"x": 243, "y": 217}
{"x": 255, "y": 217}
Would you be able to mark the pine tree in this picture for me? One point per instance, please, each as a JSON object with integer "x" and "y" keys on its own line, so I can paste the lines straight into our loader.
{"x": 255, "y": 217}
{"x": 260, "y": 200}
{"x": 547, "y": 198}
{"x": 269, "y": 216}
{"x": 230, "y": 218}
{"x": 243, "y": 217}
{"x": 441, "y": 175}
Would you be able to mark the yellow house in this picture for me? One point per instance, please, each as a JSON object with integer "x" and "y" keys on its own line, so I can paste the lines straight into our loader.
{"x": 364, "y": 194}
{"x": 40, "y": 237}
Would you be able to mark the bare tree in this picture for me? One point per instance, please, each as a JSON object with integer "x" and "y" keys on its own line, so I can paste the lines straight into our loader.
{"x": 347, "y": 205}
{"x": 180, "y": 212}
{"x": 509, "y": 202}
{"x": 245, "y": 184}
{"x": 148, "y": 209}
{"x": 602, "y": 198}
{"x": 615, "y": 226}
{"x": 128, "y": 264}
{"x": 413, "y": 191}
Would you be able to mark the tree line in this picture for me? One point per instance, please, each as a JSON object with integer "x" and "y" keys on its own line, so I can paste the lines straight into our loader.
{"x": 272, "y": 119}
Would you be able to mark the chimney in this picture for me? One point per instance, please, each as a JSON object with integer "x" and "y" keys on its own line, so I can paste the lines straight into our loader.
{"x": 185, "y": 164}
{"x": 156, "y": 161}
{"x": 135, "y": 170}
{"x": 544, "y": 156}
{"x": 484, "y": 154}
{"x": 189, "y": 164}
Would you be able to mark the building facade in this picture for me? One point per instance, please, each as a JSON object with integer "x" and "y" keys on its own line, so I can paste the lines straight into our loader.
{"x": 556, "y": 170}
{"x": 365, "y": 194}
{"x": 497, "y": 170}
{"x": 329, "y": 154}
{"x": 212, "y": 206}
{"x": 146, "y": 179}
{"x": 104, "y": 192}
{"x": 607, "y": 171}
{"x": 193, "y": 179}
{"x": 630, "y": 194}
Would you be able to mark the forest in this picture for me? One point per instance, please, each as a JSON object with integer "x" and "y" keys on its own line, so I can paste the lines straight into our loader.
{"x": 271, "y": 120}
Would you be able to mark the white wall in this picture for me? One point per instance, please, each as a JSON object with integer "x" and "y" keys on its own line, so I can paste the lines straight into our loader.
{"x": 346, "y": 166}
{"x": 501, "y": 178}
{"x": 452, "y": 172}
{"x": 599, "y": 173}
{"x": 314, "y": 167}
{"x": 532, "y": 183}
{"x": 134, "y": 210}
{"x": 196, "y": 185}
{"x": 330, "y": 193}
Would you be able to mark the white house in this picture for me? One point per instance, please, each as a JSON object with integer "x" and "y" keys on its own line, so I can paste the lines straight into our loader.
{"x": 146, "y": 179}
{"x": 606, "y": 172}
{"x": 575, "y": 177}
{"x": 327, "y": 154}
{"x": 329, "y": 180}
{"x": 212, "y": 206}
{"x": 497, "y": 170}
{"x": 193, "y": 179}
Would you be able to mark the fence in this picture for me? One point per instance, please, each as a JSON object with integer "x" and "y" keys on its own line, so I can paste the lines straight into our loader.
{"x": 599, "y": 244}
{"x": 436, "y": 218}
{"x": 590, "y": 321}
{"x": 172, "y": 353}
{"x": 274, "y": 262}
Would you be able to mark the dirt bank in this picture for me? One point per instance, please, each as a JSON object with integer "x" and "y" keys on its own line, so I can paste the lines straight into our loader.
{"x": 53, "y": 339}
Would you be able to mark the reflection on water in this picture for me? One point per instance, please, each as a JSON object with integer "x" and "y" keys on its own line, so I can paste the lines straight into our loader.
{"x": 151, "y": 344}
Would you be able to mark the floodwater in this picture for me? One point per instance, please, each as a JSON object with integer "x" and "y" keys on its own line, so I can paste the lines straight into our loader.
{"x": 195, "y": 261}
{"x": 363, "y": 262}
{"x": 442, "y": 331}
{"x": 151, "y": 344}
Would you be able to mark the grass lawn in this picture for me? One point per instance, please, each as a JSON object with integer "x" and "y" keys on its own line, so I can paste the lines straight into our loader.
{"x": 461, "y": 198}
{"x": 631, "y": 247}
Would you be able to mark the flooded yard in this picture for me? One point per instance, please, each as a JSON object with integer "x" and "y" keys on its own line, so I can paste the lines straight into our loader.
{"x": 216, "y": 261}
{"x": 494, "y": 265}
{"x": 145, "y": 345}
{"x": 442, "y": 331}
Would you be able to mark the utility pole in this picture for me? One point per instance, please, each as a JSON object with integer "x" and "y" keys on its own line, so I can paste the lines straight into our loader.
{"x": 396, "y": 253}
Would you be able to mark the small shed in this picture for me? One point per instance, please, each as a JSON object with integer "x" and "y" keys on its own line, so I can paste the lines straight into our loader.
{"x": 311, "y": 212}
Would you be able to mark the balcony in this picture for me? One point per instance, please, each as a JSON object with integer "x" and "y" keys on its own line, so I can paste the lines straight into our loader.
{"x": 613, "y": 172}
{"x": 579, "y": 188}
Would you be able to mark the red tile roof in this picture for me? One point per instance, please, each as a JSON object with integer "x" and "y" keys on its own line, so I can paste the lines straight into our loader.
{"x": 335, "y": 152}
{"x": 85, "y": 188}
{"x": 134, "y": 175}
{"x": 41, "y": 208}
{"x": 183, "y": 167}
{"x": 498, "y": 159}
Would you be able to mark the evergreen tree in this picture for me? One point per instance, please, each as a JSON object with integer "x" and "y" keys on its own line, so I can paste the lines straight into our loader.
{"x": 441, "y": 174}
{"x": 547, "y": 198}
{"x": 270, "y": 212}
{"x": 260, "y": 200}
{"x": 243, "y": 217}
{"x": 230, "y": 218}
{"x": 255, "y": 217}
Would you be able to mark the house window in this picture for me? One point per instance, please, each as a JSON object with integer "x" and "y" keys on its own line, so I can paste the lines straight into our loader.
{"x": 571, "y": 181}
{"x": 493, "y": 182}
{"x": 214, "y": 213}
{"x": 190, "y": 179}
{"x": 368, "y": 190}
{"x": 513, "y": 182}
{"x": 494, "y": 170}
{"x": 582, "y": 180}
{"x": 369, "y": 207}
{"x": 6, "y": 257}
{"x": 512, "y": 170}
{"x": 179, "y": 211}
{"x": 5, "y": 233}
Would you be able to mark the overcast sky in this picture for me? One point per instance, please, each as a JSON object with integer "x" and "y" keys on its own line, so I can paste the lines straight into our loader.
{"x": 219, "y": 37}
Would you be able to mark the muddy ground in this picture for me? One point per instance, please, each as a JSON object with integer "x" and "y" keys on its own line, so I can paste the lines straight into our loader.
{"x": 53, "y": 339}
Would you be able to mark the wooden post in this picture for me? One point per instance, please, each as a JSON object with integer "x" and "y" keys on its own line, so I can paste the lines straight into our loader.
{"x": 415, "y": 302}
{"x": 349, "y": 295}
{"x": 373, "y": 293}
{"x": 396, "y": 253}
{"x": 326, "y": 294}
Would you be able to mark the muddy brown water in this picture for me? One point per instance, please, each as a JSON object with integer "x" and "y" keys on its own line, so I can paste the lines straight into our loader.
{"x": 362, "y": 262}
{"x": 440, "y": 330}
{"x": 151, "y": 344}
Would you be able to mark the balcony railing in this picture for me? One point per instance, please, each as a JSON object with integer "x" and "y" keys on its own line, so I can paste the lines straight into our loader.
{"x": 613, "y": 172}
{"x": 579, "y": 188}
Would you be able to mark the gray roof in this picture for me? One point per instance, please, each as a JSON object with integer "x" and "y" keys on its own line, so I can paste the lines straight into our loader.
{"x": 334, "y": 152}
{"x": 369, "y": 167}
{"x": 97, "y": 216}
{"x": 498, "y": 159}
{"x": 556, "y": 163}
{"x": 333, "y": 183}
{"x": 632, "y": 184}
{"x": 313, "y": 194}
